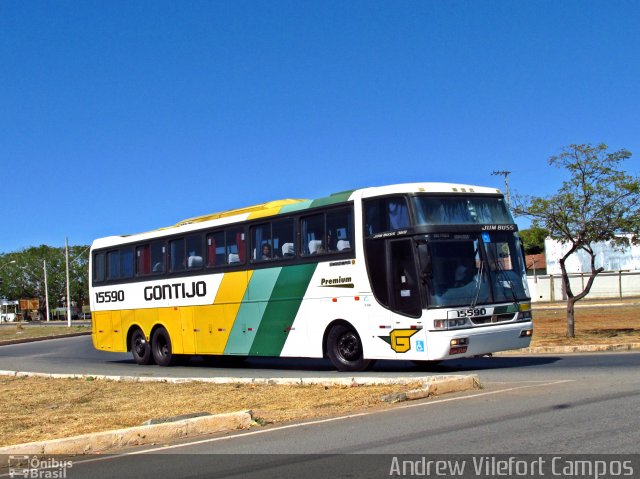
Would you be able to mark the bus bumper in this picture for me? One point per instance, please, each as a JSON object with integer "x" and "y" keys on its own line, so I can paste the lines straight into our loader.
{"x": 462, "y": 343}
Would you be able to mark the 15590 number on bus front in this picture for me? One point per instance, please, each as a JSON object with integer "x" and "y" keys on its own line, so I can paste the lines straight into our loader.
{"x": 467, "y": 313}
{"x": 109, "y": 296}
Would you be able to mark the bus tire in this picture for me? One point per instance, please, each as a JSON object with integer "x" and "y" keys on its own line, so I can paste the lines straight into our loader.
{"x": 161, "y": 347}
{"x": 344, "y": 349}
{"x": 140, "y": 348}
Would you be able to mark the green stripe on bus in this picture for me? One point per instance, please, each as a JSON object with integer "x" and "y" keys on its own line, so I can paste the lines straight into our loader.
{"x": 282, "y": 309}
{"x": 303, "y": 205}
{"x": 330, "y": 200}
{"x": 247, "y": 322}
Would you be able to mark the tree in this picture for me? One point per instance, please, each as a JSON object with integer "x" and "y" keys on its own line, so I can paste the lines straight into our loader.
{"x": 533, "y": 240}
{"x": 25, "y": 278}
{"x": 597, "y": 203}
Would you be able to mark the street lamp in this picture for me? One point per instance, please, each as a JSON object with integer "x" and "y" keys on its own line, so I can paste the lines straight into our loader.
{"x": 13, "y": 261}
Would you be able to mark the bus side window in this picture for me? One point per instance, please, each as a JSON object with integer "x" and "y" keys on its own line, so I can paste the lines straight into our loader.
{"x": 398, "y": 213}
{"x": 143, "y": 260}
{"x": 261, "y": 243}
{"x": 98, "y": 268}
{"x": 215, "y": 249}
{"x": 374, "y": 217}
{"x": 283, "y": 239}
{"x": 339, "y": 230}
{"x": 126, "y": 263}
{"x": 386, "y": 214}
{"x": 235, "y": 245}
{"x": 113, "y": 264}
{"x": 194, "y": 252}
{"x": 158, "y": 253}
{"x": 176, "y": 255}
{"x": 312, "y": 234}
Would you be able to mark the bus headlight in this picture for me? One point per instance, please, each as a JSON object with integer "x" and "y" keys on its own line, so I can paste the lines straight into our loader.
{"x": 458, "y": 346}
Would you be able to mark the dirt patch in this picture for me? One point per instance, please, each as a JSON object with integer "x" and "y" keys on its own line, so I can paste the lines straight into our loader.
{"x": 613, "y": 333}
{"x": 593, "y": 325}
{"x": 20, "y": 331}
{"x": 41, "y": 408}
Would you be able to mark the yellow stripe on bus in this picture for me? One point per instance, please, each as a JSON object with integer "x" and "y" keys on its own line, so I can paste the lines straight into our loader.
{"x": 213, "y": 323}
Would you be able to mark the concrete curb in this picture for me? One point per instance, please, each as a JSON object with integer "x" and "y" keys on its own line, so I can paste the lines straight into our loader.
{"x": 135, "y": 436}
{"x": 351, "y": 381}
{"x": 438, "y": 385}
{"x": 42, "y": 338}
{"x": 587, "y": 348}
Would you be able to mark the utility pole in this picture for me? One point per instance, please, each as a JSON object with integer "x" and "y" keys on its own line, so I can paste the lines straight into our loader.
{"x": 46, "y": 288}
{"x": 66, "y": 253}
{"x": 506, "y": 181}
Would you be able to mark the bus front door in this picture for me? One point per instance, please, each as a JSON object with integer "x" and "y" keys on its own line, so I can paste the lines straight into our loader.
{"x": 404, "y": 291}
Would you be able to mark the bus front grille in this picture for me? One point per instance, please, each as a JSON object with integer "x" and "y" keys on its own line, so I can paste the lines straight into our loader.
{"x": 496, "y": 318}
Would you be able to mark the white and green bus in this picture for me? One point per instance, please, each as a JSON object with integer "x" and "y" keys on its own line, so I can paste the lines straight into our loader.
{"x": 421, "y": 272}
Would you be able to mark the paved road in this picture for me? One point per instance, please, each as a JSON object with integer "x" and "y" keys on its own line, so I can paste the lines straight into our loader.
{"x": 77, "y": 356}
{"x": 584, "y": 404}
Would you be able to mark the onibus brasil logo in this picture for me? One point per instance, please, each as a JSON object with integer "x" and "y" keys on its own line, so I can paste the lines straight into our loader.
{"x": 38, "y": 467}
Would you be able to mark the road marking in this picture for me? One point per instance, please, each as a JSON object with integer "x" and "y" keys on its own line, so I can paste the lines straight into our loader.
{"x": 319, "y": 421}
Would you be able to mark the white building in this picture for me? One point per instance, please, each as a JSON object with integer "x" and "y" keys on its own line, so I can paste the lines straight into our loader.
{"x": 608, "y": 256}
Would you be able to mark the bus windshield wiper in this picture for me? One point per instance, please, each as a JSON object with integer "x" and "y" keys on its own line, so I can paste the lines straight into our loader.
{"x": 478, "y": 283}
{"x": 506, "y": 277}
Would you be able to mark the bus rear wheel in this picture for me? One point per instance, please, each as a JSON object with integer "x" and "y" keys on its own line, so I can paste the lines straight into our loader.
{"x": 161, "y": 347}
{"x": 140, "y": 348}
{"x": 344, "y": 349}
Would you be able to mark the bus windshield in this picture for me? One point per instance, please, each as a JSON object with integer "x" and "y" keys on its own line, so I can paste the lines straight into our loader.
{"x": 470, "y": 269}
{"x": 461, "y": 210}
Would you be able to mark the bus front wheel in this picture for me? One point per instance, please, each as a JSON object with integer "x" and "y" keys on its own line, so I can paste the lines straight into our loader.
{"x": 140, "y": 348}
{"x": 161, "y": 347}
{"x": 344, "y": 349}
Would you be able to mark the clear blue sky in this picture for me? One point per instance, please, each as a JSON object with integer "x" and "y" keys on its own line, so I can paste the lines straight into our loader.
{"x": 119, "y": 117}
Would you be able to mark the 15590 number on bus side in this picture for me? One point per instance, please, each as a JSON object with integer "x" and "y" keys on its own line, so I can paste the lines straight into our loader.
{"x": 109, "y": 296}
